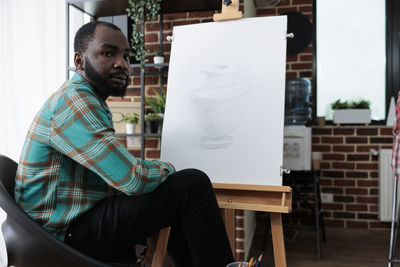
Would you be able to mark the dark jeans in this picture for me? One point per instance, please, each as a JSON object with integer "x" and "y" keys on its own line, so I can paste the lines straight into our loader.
{"x": 185, "y": 201}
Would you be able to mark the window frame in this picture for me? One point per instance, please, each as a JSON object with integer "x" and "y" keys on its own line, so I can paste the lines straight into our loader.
{"x": 392, "y": 80}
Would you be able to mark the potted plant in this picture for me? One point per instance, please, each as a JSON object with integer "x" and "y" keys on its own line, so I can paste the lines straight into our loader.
{"x": 131, "y": 120}
{"x": 137, "y": 11}
{"x": 157, "y": 103}
{"x": 158, "y": 57}
{"x": 153, "y": 123}
{"x": 351, "y": 112}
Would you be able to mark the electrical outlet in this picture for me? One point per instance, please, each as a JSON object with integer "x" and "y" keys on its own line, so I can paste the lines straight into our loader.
{"x": 326, "y": 197}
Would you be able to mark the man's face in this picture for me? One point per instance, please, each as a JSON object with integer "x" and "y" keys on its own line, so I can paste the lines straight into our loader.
{"x": 106, "y": 62}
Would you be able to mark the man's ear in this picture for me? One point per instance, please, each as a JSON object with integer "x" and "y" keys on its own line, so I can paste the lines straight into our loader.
{"x": 79, "y": 61}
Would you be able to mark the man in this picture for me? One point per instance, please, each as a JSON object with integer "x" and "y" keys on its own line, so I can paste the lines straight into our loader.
{"x": 81, "y": 184}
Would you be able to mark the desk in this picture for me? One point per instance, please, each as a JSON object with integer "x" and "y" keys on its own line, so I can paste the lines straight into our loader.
{"x": 305, "y": 189}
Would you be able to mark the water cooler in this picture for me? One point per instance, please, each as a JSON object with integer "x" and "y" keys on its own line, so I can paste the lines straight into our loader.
{"x": 297, "y": 137}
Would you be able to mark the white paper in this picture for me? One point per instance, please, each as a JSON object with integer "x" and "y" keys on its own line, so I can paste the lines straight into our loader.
{"x": 225, "y": 100}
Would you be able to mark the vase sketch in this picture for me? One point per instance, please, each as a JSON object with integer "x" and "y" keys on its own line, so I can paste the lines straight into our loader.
{"x": 219, "y": 105}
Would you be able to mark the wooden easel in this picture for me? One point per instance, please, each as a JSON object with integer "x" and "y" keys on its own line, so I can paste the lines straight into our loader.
{"x": 272, "y": 199}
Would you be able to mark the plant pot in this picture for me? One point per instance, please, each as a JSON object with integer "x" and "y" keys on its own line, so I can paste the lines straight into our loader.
{"x": 158, "y": 60}
{"x": 130, "y": 128}
{"x": 153, "y": 127}
{"x": 352, "y": 116}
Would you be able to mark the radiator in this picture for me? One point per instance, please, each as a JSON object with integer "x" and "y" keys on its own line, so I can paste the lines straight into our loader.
{"x": 386, "y": 183}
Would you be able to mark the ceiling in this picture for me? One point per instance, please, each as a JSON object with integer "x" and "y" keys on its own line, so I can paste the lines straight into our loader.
{"x": 104, "y": 8}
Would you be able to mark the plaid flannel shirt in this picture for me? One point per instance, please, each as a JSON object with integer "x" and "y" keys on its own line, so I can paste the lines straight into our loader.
{"x": 396, "y": 142}
{"x": 72, "y": 159}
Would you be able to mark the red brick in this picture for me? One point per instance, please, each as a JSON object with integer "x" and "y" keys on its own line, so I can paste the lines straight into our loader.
{"x": 373, "y": 208}
{"x": 292, "y": 58}
{"x": 333, "y": 174}
{"x": 334, "y": 190}
{"x": 356, "y": 191}
{"x": 356, "y": 140}
{"x": 367, "y": 216}
{"x": 321, "y": 148}
{"x": 356, "y": 224}
{"x": 381, "y": 140}
{"x": 343, "y": 131}
{"x": 379, "y": 225}
{"x": 306, "y": 74}
{"x": 343, "y": 165}
{"x": 135, "y": 81}
{"x": 367, "y": 166}
{"x": 315, "y": 140}
{"x": 367, "y": 131}
{"x": 373, "y": 191}
{"x": 239, "y": 212}
{"x": 325, "y": 165}
{"x": 301, "y": 66}
{"x": 356, "y": 174}
{"x": 373, "y": 174}
{"x": 201, "y": 14}
{"x": 286, "y": 9}
{"x": 239, "y": 222}
{"x": 151, "y": 38}
{"x": 135, "y": 153}
{"x": 306, "y": 58}
{"x": 321, "y": 131}
{"x": 337, "y": 148}
{"x": 302, "y": 2}
{"x": 344, "y": 182}
{"x": 332, "y": 140}
{"x": 151, "y": 80}
{"x": 346, "y": 199}
{"x": 332, "y": 206}
{"x": 155, "y": 154}
{"x": 156, "y": 26}
{"x": 185, "y": 22}
{"x": 334, "y": 223}
{"x": 175, "y": 16}
{"x": 343, "y": 215}
{"x": 364, "y": 148}
{"x": 356, "y": 207}
{"x": 305, "y": 9}
{"x": 151, "y": 143}
{"x": 371, "y": 200}
{"x": 239, "y": 244}
{"x": 265, "y": 11}
{"x": 358, "y": 157}
{"x": 291, "y": 75}
{"x": 239, "y": 233}
{"x": 333, "y": 157}
{"x": 133, "y": 91}
{"x": 386, "y": 131}
{"x": 367, "y": 183}
{"x": 324, "y": 181}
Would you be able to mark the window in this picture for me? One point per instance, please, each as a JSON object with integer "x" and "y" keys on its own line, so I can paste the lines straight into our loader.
{"x": 351, "y": 54}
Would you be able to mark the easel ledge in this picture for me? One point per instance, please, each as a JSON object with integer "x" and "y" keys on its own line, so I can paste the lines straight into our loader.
{"x": 254, "y": 197}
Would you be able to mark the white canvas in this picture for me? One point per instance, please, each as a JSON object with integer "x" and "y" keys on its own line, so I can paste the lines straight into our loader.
{"x": 225, "y": 101}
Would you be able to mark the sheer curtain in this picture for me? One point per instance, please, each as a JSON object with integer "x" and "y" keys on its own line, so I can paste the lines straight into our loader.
{"x": 32, "y": 66}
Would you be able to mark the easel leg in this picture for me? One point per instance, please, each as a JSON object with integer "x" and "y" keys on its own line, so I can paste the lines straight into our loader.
{"x": 277, "y": 239}
{"x": 230, "y": 227}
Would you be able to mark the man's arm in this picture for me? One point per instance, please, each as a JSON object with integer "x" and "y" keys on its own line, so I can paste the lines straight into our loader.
{"x": 81, "y": 130}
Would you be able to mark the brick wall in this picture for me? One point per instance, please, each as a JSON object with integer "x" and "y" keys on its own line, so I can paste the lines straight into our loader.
{"x": 350, "y": 172}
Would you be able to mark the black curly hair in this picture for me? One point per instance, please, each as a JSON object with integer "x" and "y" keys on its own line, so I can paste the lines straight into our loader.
{"x": 85, "y": 34}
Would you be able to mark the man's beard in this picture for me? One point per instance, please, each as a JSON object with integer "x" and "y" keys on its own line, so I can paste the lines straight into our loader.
{"x": 100, "y": 82}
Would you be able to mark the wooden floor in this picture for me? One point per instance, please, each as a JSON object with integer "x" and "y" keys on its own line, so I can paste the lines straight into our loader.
{"x": 343, "y": 247}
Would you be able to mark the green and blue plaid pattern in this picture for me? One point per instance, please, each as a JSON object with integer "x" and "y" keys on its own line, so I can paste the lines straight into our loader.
{"x": 72, "y": 159}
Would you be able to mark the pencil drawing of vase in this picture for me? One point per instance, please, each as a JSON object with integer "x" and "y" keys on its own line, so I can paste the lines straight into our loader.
{"x": 219, "y": 105}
